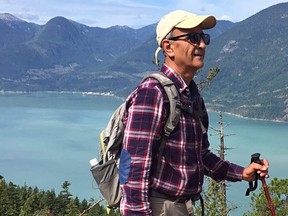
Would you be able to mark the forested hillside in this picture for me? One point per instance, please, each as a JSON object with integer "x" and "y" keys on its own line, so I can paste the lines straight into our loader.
{"x": 64, "y": 55}
{"x": 27, "y": 201}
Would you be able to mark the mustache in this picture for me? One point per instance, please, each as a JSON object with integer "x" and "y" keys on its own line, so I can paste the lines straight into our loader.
{"x": 199, "y": 52}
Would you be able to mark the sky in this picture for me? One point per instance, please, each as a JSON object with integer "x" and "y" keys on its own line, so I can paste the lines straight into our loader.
{"x": 132, "y": 13}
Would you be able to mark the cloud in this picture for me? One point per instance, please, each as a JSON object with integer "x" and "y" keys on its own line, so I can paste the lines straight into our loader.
{"x": 28, "y": 17}
{"x": 224, "y": 17}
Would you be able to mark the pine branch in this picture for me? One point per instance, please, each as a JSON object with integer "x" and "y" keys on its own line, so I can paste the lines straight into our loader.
{"x": 90, "y": 207}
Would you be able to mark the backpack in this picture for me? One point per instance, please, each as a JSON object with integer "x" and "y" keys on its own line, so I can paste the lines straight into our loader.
{"x": 106, "y": 172}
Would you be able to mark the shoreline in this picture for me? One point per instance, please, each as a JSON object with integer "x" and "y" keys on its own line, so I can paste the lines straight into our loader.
{"x": 243, "y": 117}
{"x": 85, "y": 93}
{"x": 110, "y": 94}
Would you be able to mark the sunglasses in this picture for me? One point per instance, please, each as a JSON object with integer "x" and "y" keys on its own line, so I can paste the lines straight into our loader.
{"x": 194, "y": 37}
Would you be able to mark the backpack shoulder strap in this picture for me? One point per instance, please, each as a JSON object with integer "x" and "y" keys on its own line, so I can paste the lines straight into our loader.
{"x": 175, "y": 110}
{"x": 174, "y": 100}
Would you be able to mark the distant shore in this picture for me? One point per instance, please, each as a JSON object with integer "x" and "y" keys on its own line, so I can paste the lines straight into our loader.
{"x": 244, "y": 117}
{"x": 106, "y": 94}
{"x": 111, "y": 94}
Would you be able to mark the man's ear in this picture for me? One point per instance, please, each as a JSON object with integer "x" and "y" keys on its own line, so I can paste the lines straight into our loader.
{"x": 168, "y": 48}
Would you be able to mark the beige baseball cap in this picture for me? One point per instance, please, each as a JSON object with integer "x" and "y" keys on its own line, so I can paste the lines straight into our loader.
{"x": 180, "y": 19}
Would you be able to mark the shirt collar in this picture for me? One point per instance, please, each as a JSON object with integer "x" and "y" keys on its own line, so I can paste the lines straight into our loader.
{"x": 175, "y": 77}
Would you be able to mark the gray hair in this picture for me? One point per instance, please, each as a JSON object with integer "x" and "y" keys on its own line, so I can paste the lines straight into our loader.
{"x": 169, "y": 35}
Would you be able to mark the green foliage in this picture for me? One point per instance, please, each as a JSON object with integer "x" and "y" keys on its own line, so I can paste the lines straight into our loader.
{"x": 206, "y": 82}
{"x": 28, "y": 201}
{"x": 278, "y": 189}
{"x": 215, "y": 199}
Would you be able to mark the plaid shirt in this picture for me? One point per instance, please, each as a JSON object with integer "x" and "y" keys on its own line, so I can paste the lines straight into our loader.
{"x": 186, "y": 157}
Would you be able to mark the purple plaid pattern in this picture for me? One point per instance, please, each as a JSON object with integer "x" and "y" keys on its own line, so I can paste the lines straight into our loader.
{"x": 186, "y": 157}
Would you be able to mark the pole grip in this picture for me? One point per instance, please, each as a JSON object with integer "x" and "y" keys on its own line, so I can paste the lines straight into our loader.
{"x": 255, "y": 158}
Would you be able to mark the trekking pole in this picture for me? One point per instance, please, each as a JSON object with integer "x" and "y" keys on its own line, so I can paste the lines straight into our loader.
{"x": 256, "y": 159}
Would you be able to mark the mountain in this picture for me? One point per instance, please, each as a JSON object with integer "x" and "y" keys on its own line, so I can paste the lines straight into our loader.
{"x": 140, "y": 59}
{"x": 66, "y": 55}
{"x": 62, "y": 54}
{"x": 253, "y": 58}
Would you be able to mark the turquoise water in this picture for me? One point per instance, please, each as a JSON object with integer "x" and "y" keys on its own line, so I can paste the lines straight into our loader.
{"x": 46, "y": 139}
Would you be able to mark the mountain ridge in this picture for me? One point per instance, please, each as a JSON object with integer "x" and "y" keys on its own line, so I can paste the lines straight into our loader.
{"x": 64, "y": 55}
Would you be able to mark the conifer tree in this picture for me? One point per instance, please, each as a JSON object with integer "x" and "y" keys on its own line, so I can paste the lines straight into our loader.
{"x": 13, "y": 205}
{"x": 83, "y": 205}
{"x": 49, "y": 200}
{"x": 215, "y": 200}
{"x": 28, "y": 201}
{"x": 3, "y": 197}
{"x": 278, "y": 189}
{"x": 30, "y": 206}
{"x": 64, "y": 198}
{"x": 72, "y": 208}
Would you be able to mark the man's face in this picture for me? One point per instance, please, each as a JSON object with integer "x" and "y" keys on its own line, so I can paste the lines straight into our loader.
{"x": 188, "y": 55}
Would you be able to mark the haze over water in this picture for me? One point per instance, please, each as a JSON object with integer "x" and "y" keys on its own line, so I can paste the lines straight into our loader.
{"x": 46, "y": 139}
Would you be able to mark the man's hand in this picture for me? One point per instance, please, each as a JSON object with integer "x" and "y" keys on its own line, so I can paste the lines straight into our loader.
{"x": 250, "y": 172}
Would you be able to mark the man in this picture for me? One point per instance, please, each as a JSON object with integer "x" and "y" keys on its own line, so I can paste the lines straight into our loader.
{"x": 186, "y": 157}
